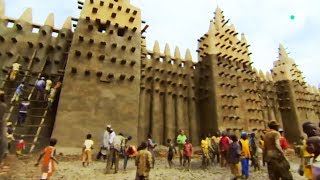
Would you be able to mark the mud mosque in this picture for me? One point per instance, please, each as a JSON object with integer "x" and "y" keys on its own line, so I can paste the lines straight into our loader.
{"x": 110, "y": 77}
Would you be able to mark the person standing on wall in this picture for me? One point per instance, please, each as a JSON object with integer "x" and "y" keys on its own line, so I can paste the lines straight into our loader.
{"x": 14, "y": 71}
{"x": 181, "y": 140}
{"x": 18, "y": 92}
{"x": 40, "y": 87}
{"x": 48, "y": 88}
{"x": 23, "y": 111}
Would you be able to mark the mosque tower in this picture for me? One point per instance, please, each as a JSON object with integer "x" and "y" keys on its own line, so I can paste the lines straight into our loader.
{"x": 228, "y": 94}
{"x": 102, "y": 76}
{"x": 298, "y": 102}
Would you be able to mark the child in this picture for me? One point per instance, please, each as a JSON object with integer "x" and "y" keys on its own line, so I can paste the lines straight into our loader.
{"x": 205, "y": 152}
{"x": 151, "y": 146}
{"x": 86, "y": 151}
{"x": 171, "y": 148}
{"x": 187, "y": 151}
{"x": 20, "y": 146}
{"x": 48, "y": 159}
{"x": 233, "y": 157}
{"x": 10, "y": 138}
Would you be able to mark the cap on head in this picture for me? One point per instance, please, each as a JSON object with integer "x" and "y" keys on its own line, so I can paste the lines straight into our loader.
{"x": 243, "y": 134}
{"x": 42, "y": 78}
{"x": 281, "y": 130}
{"x": 273, "y": 123}
{"x": 1, "y": 92}
{"x": 108, "y": 126}
{"x": 9, "y": 123}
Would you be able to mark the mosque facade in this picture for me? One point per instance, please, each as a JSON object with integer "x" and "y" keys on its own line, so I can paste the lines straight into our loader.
{"x": 110, "y": 77}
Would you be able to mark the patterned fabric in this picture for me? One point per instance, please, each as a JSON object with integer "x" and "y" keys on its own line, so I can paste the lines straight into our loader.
{"x": 143, "y": 163}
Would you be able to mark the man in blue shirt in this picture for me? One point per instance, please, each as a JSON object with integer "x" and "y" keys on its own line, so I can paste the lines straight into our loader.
{"x": 18, "y": 92}
{"x": 23, "y": 110}
{"x": 40, "y": 87}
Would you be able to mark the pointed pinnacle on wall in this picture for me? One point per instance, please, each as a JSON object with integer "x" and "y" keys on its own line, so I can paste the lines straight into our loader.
{"x": 177, "y": 54}
{"x": 268, "y": 76}
{"x": 156, "y": 47}
{"x": 218, "y": 18}
{"x": 188, "y": 56}
{"x": 243, "y": 38}
{"x": 167, "y": 50}
{"x": 282, "y": 52}
{"x": 233, "y": 28}
{"x": 261, "y": 75}
{"x": 212, "y": 28}
{"x": 2, "y": 9}
{"x": 50, "y": 20}
{"x": 27, "y": 16}
{"x": 67, "y": 23}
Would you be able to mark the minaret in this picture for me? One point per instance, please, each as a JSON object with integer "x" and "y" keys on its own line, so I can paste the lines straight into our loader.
{"x": 294, "y": 95}
{"x": 105, "y": 58}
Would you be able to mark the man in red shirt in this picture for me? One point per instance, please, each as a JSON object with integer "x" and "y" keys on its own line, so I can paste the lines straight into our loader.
{"x": 283, "y": 141}
{"x": 224, "y": 147}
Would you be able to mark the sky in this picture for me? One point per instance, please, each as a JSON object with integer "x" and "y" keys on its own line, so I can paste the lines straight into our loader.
{"x": 266, "y": 23}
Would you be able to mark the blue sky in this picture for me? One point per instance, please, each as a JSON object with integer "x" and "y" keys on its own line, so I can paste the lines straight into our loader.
{"x": 266, "y": 23}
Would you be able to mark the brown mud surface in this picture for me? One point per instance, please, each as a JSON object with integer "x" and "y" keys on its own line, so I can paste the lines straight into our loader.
{"x": 70, "y": 168}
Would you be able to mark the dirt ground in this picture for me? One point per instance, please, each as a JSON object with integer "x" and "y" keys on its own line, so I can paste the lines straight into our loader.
{"x": 70, "y": 168}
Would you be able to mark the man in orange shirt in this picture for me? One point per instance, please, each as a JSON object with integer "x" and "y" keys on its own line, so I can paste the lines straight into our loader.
{"x": 48, "y": 160}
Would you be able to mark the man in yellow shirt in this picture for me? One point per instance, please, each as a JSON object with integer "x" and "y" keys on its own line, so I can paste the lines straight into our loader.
{"x": 205, "y": 152}
{"x": 14, "y": 71}
{"x": 245, "y": 154}
{"x": 306, "y": 161}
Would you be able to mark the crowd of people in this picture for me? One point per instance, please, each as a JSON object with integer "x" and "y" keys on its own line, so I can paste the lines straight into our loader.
{"x": 222, "y": 148}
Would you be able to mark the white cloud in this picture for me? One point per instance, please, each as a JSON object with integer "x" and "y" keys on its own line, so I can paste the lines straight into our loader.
{"x": 181, "y": 22}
